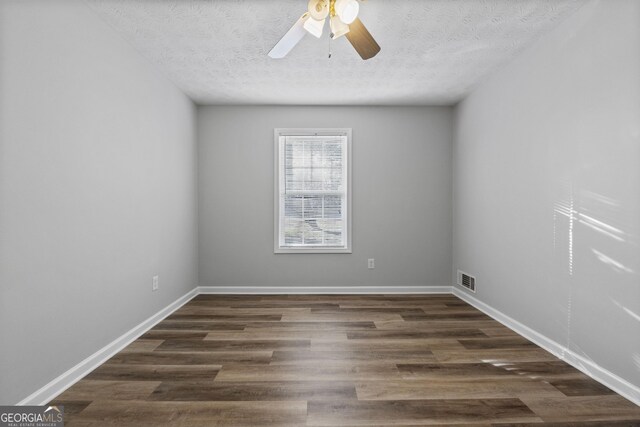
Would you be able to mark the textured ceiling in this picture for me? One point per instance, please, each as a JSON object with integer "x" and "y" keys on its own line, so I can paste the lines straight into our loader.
{"x": 433, "y": 51}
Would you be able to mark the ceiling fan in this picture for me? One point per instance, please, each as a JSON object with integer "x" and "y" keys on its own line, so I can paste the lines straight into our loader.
{"x": 343, "y": 21}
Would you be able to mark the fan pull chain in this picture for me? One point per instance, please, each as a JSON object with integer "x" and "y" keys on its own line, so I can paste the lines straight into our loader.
{"x": 330, "y": 45}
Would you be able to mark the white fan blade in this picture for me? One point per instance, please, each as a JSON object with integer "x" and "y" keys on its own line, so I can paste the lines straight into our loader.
{"x": 291, "y": 39}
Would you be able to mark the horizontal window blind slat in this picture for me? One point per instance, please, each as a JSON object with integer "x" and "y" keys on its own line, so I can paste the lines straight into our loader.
{"x": 312, "y": 193}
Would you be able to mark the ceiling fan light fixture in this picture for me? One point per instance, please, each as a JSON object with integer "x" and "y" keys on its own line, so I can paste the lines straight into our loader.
{"x": 338, "y": 28}
{"x": 314, "y": 27}
{"x": 347, "y": 10}
{"x": 343, "y": 21}
{"x": 318, "y": 9}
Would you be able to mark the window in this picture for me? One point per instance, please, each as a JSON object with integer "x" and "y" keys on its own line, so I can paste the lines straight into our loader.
{"x": 313, "y": 190}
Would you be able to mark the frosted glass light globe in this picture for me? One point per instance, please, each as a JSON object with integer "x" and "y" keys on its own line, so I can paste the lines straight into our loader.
{"x": 347, "y": 10}
{"x": 338, "y": 28}
{"x": 318, "y": 9}
{"x": 314, "y": 27}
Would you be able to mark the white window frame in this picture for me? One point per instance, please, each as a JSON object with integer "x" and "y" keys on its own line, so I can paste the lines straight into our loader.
{"x": 279, "y": 170}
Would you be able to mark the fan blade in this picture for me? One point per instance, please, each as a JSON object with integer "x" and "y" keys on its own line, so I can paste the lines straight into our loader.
{"x": 291, "y": 39}
{"x": 361, "y": 40}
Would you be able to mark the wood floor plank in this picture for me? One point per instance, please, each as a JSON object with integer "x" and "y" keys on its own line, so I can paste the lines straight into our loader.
{"x": 188, "y": 414}
{"x": 337, "y": 326}
{"x": 161, "y": 335}
{"x": 123, "y": 372}
{"x": 495, "y": 343}
{"x": 457, "y": 303}
{"x": 498, "y": 331}
{"x": 447, "y": 315}
{"x": 200, "y": 325}
{"x": 370, "y": 297}
{"x": 580, "y": 387}
{"x": 253, "y": 390}
{"x": 193, "y": 358}
{"x": 276, "y": 335}
{"x": 449, "y": 309}
{"x": 338, "y": 316}
{"x": 368, "y": 310}
{"x": 143, "y": 344}
{"x": 609, "y": 423}
{"x": 374, "y": 299}
{"x": 289, "y": 357}
{"x": 583, "y": 408}
{"x": 417, "y": 411}
{"x": 92, "y": 390}
{"x": 282, "y": 304}
{"x": 231, "y": 345}
{"x": 394, "y": 305}
{"x": 533, "y": 354}
{"x": 545, "y": 370}
{"x": 204, "y": 309}
{"x": 452, "y": 371}
{"x": 228, "y": 317}
{"x": 398, "y": 335}
{"x": 412, "y": 345}
{"x": 444, "y": 388}
{"x": 438, "y": 324}
{"x": 340, "y": 371}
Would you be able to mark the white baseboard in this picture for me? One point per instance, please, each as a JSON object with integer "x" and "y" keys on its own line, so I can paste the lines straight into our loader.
{"x": 58, "y": 385}
{"x": 595, "y": 371}
{"x": 315, "y": 290}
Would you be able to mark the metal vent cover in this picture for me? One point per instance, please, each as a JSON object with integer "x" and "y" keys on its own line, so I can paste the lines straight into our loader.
{"x": 467, "y": 281}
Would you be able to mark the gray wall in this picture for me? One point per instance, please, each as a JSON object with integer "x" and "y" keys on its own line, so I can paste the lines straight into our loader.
{"x": 401, "y": 197}
{"x": 558, "y": 131}
{"x": 97, "y": 190}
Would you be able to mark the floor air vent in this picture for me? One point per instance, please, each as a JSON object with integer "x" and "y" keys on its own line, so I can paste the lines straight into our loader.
{"x": 467, "y": 281}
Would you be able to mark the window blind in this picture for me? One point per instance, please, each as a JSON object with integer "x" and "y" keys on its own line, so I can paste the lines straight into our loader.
{"x": 313, "y": 191}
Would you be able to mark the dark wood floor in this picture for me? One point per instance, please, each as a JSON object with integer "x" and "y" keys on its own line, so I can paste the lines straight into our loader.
{"x": 338, "y": 361}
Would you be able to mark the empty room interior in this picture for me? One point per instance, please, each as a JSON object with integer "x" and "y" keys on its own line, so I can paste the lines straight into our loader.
{"x": 320, "y": 213}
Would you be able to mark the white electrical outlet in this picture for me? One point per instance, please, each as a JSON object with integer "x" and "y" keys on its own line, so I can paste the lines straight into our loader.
{"x": 371, "y": 263}
{"x": 155, "y": 283}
